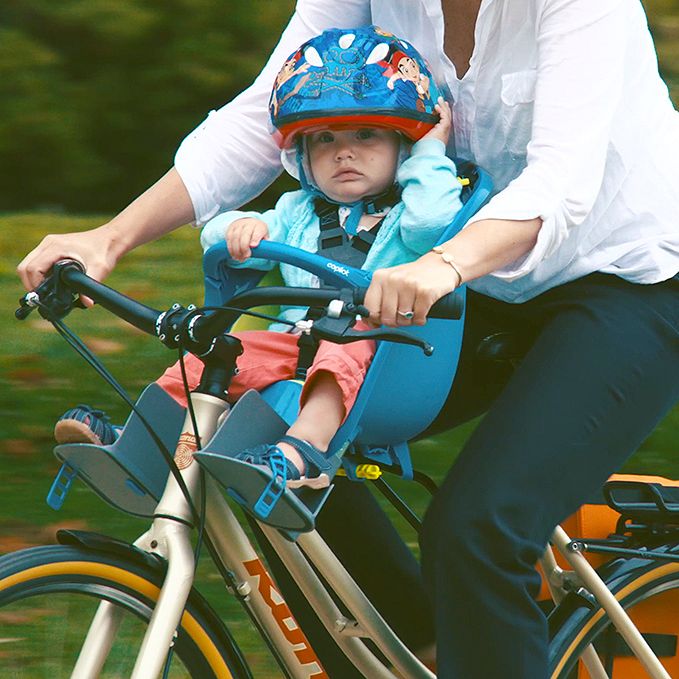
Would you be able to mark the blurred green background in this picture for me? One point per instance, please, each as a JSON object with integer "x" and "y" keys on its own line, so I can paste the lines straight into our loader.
{"x": 95, "y": 95}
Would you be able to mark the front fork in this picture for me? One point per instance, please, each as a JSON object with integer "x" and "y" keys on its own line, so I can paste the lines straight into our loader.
{"x": 170, "y": 538}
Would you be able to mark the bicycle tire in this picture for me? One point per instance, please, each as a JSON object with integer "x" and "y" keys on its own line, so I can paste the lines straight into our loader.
{"x": 649, "y": 592}
{"x": 49, "y": 594}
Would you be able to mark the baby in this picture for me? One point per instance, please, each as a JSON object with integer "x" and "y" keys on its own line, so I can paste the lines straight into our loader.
{"x": 376, "y": 170}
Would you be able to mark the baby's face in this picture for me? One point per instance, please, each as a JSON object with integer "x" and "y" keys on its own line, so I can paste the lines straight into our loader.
{"x": 348, "y": 165}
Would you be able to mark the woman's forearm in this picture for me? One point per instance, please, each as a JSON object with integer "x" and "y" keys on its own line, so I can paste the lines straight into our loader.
{"x": 162, "y": 208}
{"x": 403, "y": 294}
{"x": 490, "y": 244}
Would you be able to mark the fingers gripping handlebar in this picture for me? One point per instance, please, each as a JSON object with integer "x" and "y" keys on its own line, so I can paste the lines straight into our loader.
{"x": 343, "y": 276}
{"x": 56, "y": 296}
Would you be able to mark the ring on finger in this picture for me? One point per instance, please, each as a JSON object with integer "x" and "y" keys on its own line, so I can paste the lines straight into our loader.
{"x": 406, "y": 314}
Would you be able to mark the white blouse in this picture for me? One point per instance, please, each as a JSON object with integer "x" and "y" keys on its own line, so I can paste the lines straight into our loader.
{"x": 562, "y": 104}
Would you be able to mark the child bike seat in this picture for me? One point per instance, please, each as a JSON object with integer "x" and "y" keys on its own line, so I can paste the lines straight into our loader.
{"x": 401, "y": 395}
{"x": 403, "y": 390}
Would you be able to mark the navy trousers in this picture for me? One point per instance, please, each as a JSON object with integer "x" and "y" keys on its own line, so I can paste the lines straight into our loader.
{"x": 602, "y": 369}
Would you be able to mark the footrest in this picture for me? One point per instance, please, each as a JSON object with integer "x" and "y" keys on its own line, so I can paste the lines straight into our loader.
{"x": 252, "y": 421}
{"x": 131, "y": 473}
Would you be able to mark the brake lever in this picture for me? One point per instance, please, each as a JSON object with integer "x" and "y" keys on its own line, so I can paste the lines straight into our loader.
{"x": 327, "y": 329}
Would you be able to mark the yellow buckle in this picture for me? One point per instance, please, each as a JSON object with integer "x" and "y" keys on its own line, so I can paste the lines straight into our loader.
{"x": 370, "y": 472}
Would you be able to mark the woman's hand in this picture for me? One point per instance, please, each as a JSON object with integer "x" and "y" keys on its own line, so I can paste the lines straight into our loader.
{"x": 90, "y": 248}
{"x": 396, "y": 293}
{"x": 244, "y": 234}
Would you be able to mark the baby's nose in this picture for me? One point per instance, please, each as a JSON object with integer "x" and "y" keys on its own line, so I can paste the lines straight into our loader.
{"x": 344, "y": 151}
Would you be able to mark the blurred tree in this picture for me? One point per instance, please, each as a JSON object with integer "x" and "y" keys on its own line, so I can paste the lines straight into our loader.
{"x": 96, "y": 94}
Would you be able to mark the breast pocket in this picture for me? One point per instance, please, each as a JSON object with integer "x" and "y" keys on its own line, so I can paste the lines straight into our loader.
{"x": 518, "y": 99}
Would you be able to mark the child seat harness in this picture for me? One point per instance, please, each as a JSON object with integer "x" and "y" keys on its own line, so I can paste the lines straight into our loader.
{"x": 334, "y": 242}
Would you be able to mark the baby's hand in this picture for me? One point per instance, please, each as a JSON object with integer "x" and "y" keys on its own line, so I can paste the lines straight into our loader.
{"x": 243, "y": 234}
{"x": 441, "y": 130}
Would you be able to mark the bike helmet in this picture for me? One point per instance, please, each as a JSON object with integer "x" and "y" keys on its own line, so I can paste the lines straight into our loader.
{"x": 353, "y": 77}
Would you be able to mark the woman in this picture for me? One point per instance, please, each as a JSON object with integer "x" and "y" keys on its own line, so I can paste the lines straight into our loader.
{"x": 577, "y": 252}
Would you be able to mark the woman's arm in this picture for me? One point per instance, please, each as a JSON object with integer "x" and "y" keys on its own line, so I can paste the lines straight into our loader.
{"x": 159, "y": 210}
{"x": 476, "y": 251}
{"x": 229, "y": 159}
{"x": 578, "y": 89}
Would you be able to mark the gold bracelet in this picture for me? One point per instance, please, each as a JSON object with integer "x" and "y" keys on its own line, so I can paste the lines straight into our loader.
{"x": 438, "y": 249}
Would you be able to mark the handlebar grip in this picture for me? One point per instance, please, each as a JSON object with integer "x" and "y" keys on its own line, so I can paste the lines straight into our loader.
{"x": 135, "y": 313}
{"x": 451, "y": 306}
{"x": 23, "y": 311}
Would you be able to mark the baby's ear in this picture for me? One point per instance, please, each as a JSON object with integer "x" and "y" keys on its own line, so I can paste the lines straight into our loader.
{"x": 312, "y": 56}
{"x": 378, "y": 53}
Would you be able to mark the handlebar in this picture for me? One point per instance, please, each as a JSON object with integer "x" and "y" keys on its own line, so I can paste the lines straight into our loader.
{"x": 450, "y": 306}
{"x": 57, "y": 295}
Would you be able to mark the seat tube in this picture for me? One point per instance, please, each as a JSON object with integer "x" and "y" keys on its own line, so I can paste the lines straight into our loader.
{"x": 170, "y": 536}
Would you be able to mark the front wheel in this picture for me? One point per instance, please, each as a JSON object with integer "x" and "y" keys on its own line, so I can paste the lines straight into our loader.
{"x": 649, "y": 592}
{"x": 49, "y": 596}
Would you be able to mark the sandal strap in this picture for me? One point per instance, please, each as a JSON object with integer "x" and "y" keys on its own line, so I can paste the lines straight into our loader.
{"x": 262, "y": 453}
{"x": 95, "y": 419}
{"x": 81, "y": 411}
{"x": 310, "y": 454}
{"x": 269, "y": 497}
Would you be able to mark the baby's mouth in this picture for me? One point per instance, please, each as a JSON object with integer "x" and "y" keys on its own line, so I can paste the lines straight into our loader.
{"x": 347, "y": 174}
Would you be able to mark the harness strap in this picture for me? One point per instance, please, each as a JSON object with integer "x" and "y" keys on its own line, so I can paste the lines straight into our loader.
{"x": 335, "y": 243}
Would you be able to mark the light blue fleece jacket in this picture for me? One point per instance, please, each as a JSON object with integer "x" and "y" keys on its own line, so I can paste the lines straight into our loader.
{"x": 430, "y": 199}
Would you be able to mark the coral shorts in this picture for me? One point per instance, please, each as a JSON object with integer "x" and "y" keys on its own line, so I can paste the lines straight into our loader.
{"x": 269, "y": 357}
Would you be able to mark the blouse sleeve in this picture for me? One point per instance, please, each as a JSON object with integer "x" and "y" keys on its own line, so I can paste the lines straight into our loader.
{"x": 431, "y": 194}
{"x": 231, "y": 157}
{"x": 578, "y": 89}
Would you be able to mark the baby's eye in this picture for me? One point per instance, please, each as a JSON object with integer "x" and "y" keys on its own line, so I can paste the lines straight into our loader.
{"x": 325, "y": 138}
{"x": 365, "y": 134}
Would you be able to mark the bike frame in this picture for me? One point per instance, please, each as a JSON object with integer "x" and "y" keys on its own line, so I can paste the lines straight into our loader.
{"x": 170, "y": 538}
{"x": 584, "y": 575}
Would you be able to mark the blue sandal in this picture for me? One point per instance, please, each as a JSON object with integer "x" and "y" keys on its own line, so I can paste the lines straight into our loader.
{"x": 84, "y": 424}
{"x": 264, "y": 477}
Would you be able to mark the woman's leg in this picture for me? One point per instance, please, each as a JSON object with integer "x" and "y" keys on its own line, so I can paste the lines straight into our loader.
{"x": 601, "y": 374}
{"x": 358, "y": 531}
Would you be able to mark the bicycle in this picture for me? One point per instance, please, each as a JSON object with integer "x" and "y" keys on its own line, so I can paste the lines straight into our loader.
{"x": 148, "y": 585}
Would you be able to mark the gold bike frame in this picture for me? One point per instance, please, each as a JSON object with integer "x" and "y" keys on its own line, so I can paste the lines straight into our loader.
{"x": 170, "y": 538}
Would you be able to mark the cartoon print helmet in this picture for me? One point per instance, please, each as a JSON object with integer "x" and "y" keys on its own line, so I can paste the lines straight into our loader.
{"x": 345, "y": 78}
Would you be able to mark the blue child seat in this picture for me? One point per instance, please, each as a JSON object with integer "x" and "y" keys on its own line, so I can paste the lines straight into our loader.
{"x": 402, "y": 393}
{"x": 404, "y": 389}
